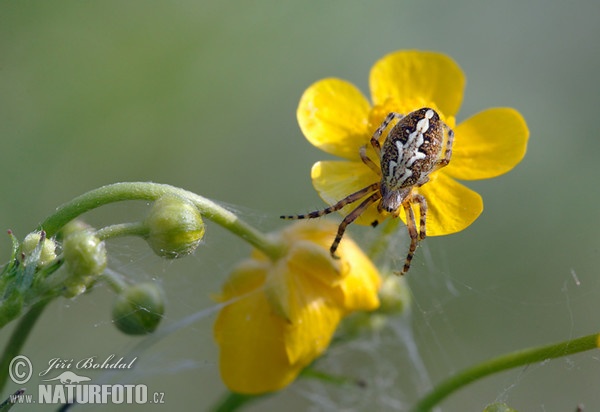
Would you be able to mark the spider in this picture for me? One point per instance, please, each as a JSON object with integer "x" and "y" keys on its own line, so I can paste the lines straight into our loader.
{"x": 411, "y": 151}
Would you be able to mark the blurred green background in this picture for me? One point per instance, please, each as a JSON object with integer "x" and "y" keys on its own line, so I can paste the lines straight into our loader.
{"x": 202, "y": 95}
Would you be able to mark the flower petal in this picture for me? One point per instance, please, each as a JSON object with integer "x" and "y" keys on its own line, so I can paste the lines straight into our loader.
{"x": 333, "y": 115}
{"x": 488, "y": 144}
{"x": 354, "y": 277}
{"x": 305, "y": 259}
{"x": 246, "y": 277}
{"x": 362, "y": 282}
{"x": 334, "y": 180}
{"x": 451, "y": 207}
{"x": 418, "y": 76}
{"x": 314, "y": 260}
{"x": 253, "y": 357}
{"x": 315, "y": 316}
{"x": 267, "y": 335}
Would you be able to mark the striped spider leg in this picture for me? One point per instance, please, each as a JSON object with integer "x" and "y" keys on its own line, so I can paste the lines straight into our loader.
{"x": 374, "y": 195}
{"x": 410, "y": 152}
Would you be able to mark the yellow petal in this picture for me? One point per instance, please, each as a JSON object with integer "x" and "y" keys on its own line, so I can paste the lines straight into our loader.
{"x": 246, "y": 277}
{"x": 333, "y": 115}
{"x": 315, "y": 261}
{"x": 318, "y": 232}
{"x": 305, "y": 259}
{"x": 315, "y": 316}
{"x": 361, "y": 284}
{"x": 488, "y": 144}
{"x": 451, "y": 207}
{"x": 278, "y": 289}
{"x": 253, "y": 357}
{"x": 354, "y": 275}
{"x": 418, "y": 76}
{"x": 262, "y": 351}
{"x": 334, "y": 180}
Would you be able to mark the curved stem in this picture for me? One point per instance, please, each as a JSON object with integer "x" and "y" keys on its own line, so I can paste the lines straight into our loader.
{"x": 122, "y": 229}
{"x": 18, "y": 338}
{"x": 502, "y": 363}
{"x": 152, "y": 191}
{"x": 114, "y": 280}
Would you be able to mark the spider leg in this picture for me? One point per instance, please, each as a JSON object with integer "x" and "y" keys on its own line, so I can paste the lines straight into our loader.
{"x": 351, "y": 217}
{"x": 367, "y": 160}
{"x": 414, "y": 236}
{"x": 448, "y": 153}
{"x": 420, "y": 199}
{"x": 375, "y": 138}
{"x": 339, "y": 205}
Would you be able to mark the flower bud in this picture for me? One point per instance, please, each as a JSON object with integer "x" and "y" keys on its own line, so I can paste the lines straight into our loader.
{"x": 76, "y": 288}
{"x": 175, "y": 227}
{"x": 359, "y": 323}
{"x": 85, "y": 254}
{"x": 47, "y": 253}
{"x": 85, "y": 258}
{"x": 139, "y": 309}
{"x": 393, "y": 295}
{"x": 75, "y": 225}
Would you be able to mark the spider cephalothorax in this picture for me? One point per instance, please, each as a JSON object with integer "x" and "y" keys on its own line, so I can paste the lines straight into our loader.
{"x": 411, "y": 151}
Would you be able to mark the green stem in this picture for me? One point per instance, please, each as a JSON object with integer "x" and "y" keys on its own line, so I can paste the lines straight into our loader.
{"x": 519, "y": 358}
{"x": 122, "y": 229}
{"x": 18, "y": 338}
{"x": 114, "y": 280}
{"x": 152, "y": 191}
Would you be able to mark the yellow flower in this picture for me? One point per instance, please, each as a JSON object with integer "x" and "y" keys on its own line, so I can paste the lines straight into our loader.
{"x": 335, "y": 117}
{"x": 282, "y": 314}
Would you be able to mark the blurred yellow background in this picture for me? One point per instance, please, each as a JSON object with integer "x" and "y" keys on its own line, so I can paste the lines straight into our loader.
{"x": 202, "y": 95}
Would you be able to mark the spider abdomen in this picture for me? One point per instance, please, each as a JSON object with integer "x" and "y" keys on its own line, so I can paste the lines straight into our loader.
{"x": 409, "y": 154}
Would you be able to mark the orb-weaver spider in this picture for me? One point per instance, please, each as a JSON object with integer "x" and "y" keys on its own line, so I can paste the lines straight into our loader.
{"x": 411, "y": 151}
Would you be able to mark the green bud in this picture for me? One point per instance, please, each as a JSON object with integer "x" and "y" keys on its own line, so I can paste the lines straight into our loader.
{"x": 175, "y": 227}
{"x": 85, "y": 254}
{"x": 75, "y": 225}
{"x": 75, "y": 288}
{"x": 139, "y": 309}
{"x": 360, "y": 323}
{"x": 394, "y": 296}
{"x": 85, "y": 259}
{"x": 47, "y": 254}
